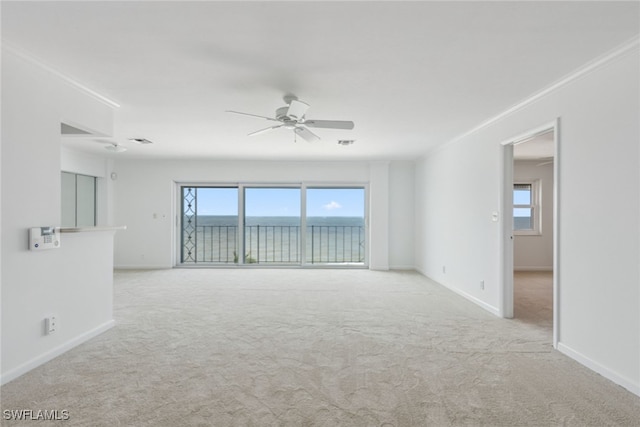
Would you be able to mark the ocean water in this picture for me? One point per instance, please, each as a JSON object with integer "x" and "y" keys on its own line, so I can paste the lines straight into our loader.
{"x": 275, "y": 240}
{"x": 280, "y": 220}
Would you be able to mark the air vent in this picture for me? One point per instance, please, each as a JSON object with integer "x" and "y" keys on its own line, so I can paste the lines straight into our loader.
{"x": 141, "y": 141}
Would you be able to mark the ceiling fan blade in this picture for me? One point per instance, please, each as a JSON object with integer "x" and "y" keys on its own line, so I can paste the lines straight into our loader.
{"x": 297, "y": 109}
{"x": 306, "y": 134}
{"x": 270, "y": 128}
{"x": 329, "y": 124}
{"x": 252, "y": 115}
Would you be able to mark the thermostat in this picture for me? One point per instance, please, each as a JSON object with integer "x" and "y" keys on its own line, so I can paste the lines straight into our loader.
{"x": 41, "y": 238}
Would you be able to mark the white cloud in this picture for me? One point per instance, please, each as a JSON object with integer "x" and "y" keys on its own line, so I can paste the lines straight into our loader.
{"x": 332, "y": 205}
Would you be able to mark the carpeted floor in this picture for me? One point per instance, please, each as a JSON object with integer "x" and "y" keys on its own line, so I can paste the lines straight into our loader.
{"x": 269, "y": 347}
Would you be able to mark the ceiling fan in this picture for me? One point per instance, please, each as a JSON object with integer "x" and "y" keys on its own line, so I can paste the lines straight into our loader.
{"x": 292, "y": 116}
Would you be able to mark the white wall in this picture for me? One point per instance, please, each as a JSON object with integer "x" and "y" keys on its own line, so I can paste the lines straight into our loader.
{"x": 379, "y": 215}
{"x": 146, "y": 187}
{"x": 401, "y": 213}
{"x": 69, "y": 282}
{"x": 459, "y": 185}
{"x": 535, "y": 252}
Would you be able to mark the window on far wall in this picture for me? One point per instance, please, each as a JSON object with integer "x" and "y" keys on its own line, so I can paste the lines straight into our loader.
{"x": 526, "y": 208}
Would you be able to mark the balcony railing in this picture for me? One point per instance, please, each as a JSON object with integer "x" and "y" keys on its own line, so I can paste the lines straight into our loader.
{"x": 335, "y": 244}
{"x": 273, "y": 244}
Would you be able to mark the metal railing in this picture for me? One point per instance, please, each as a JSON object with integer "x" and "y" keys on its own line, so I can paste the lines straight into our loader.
{"x": 335, "y": 244}
{"x": 216, "y": 243}
{"x": 273, "y": 244}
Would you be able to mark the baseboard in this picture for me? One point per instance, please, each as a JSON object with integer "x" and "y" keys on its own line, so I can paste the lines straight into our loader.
{"x": 402, "y": 267}
{"x": 55, "y": 352}
{"x": 491, "y": 309}
{"x": 630, "y": 385}
{"x": 140, "y": 267}
{"x": 525, "y": 268}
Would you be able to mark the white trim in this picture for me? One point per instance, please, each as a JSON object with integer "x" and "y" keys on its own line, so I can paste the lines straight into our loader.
{"x": 587, "y": 68}
{"x": 41, "y": 64}
{"x": 505, "y": 294}
{"x": 491, "y": 309}
{"x": 632, "y": 386}
{"x": 55, "y": 352}
{"x": 556, "y": 233}
{"x": 525, "y": 136}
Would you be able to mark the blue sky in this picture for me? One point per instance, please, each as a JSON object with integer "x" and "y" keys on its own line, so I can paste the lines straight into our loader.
{"x": 335, "y": 202}
{"x": 282, "y": 201}
{"x": 521, "y": 197}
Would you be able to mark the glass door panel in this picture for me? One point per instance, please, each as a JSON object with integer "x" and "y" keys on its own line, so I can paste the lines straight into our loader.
{"x": 209, "y": 225}
{"x": 335, "y": 226}
{"x": 271, "y": 225}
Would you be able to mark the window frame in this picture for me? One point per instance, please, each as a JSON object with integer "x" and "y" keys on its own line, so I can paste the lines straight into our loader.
{"x": 241, "y": 186}
{"x": 535, "y": 207}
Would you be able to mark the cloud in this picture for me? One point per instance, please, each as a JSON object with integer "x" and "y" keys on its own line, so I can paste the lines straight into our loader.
{"x": 332, "y": 205}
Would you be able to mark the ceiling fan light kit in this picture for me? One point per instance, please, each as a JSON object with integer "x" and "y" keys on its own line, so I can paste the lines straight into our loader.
{"x": 292, "y": 117}
{"x": 115, "y": 148}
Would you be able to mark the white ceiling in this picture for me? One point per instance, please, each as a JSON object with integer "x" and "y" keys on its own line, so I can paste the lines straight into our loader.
{"x": 411, "y": 75}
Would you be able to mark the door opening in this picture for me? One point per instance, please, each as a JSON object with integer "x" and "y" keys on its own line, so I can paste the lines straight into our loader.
{"x": 530, "y": 238}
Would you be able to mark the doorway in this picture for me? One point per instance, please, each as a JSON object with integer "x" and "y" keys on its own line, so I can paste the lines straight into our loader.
{"x": 529, "y": 232}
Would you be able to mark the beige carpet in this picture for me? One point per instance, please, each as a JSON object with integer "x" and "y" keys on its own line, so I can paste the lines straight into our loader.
{"x": 298, "y": 347}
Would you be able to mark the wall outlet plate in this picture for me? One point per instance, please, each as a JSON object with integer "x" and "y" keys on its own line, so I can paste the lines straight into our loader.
{"x": 50, "y": 325}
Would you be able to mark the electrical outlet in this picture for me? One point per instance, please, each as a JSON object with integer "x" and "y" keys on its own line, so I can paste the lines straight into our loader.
{"x": 50, "y": 325}
{"x": 444, "y": 269}
{"x": 482, "y": 284}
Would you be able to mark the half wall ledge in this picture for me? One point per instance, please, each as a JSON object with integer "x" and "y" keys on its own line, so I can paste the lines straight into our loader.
{"x": 91, "y": 229}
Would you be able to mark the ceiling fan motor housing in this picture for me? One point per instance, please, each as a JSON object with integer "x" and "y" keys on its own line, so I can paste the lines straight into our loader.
{"x": 281, "y": 114}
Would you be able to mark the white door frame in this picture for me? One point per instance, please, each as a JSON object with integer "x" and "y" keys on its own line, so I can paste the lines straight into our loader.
{"x": 506, "y": 231}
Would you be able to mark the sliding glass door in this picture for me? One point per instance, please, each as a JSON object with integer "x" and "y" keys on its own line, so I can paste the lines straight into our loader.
{"x": 335, "y": 226}
{"x": 269, "y": 225}
{"x": 209, "y": 231}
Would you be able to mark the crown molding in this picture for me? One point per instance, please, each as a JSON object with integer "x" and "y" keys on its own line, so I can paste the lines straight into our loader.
{"x": 8, "y": 47}
{"x": 627, "y": 47}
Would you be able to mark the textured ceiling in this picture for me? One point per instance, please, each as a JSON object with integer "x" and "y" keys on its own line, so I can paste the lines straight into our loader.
{"x": 411, "y": 75}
